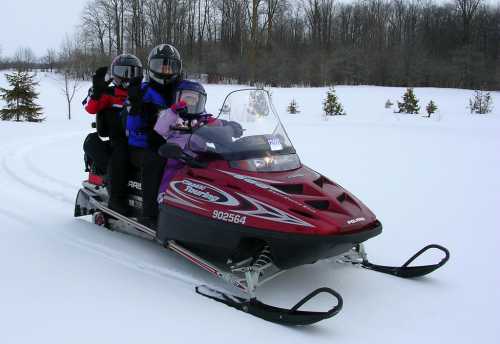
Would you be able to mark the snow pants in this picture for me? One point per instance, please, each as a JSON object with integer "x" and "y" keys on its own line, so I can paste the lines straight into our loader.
{"x": 151, "y": 166}
{"x": 118, "y": 169}
{"x": 97, "y": 152}
{"x": 110, "y": 158}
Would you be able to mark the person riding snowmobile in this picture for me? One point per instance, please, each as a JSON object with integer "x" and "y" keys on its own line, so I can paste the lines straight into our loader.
{"x": 145, "y": 101}
{"x": 176, "y": 125}
{"x": 106, "y": 99}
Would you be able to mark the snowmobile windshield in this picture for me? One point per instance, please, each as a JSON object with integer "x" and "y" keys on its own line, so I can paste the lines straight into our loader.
{"x": 248, "y": 133}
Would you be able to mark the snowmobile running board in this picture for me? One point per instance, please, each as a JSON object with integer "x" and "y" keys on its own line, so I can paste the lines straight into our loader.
{"x": 88, "y": 202}
{"x": 359, "y": 257}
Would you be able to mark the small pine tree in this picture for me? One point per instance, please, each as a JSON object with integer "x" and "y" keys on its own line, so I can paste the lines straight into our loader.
{"x": 21, "y": 98}
{"x": 331, "y": 105}
{"x": 481, "y": 103}
{"x": 431, "y": 108}
{"x": 410, "y": 103}
{"x": 388, "y": 104}
{"x": 293, "y": 108}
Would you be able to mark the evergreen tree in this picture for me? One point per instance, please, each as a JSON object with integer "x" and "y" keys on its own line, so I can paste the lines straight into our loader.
{"x": 481, "y": 103}
{"x": 293, "y": 108}
{"x": 410, "y": 103}
{"x": 332, "y": 105}
{"x": 431, "y": 108}
{"x": 21, "y": 98}
{"x": 388, "y": 104}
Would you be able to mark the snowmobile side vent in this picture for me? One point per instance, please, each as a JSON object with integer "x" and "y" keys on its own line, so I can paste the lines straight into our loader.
{"x": 345, "y": 197}
{"x": 322, "y": 181}
{"x": 342, "y": 197}
{"x": 302, "y": 213}
{"x": 296, "y": 189}
{"x": 320, "y": 204}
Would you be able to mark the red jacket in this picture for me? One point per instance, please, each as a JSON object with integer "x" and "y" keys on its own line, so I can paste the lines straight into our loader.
{"x": 115, "y": 97}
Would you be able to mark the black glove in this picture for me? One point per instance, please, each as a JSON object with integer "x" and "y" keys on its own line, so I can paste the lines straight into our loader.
{"x": 99, "y": 83}
{"x": 135, "y": 94}
{"x": 237, "y": 129}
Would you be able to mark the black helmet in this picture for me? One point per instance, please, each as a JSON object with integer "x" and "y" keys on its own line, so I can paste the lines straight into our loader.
{"x": 164, "y": 64}
{"x": 125, "y": 67}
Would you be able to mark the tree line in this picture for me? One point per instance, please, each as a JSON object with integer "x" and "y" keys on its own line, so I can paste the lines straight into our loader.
{"x": 299, "y": 42}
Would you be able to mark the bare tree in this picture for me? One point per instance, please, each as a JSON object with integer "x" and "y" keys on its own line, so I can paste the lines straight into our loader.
{"x": 467, "y": 9}
{"x": 70, "y": 62}
{"x": 93, "y": 22}
{"x": 390, "y": 42}
{"x": 49, "y": 59}
{"x": 69, "y": 87}
{"x": 24, "y": 58}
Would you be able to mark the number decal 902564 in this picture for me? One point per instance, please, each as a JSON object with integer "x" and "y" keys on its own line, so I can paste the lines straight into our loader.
{"x": 228, "y": 217}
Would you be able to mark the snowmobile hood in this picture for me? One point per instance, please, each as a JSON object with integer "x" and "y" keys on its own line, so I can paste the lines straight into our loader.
{"x": 298, "y": 201}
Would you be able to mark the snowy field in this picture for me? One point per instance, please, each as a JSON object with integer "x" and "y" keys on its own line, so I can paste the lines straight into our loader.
{"x": 64, "y": 280}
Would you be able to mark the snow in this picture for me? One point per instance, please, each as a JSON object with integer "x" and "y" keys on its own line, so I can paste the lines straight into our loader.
{"x": 63, "y": 280}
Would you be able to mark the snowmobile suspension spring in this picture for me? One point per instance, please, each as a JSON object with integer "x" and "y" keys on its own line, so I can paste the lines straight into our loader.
{"x": 263, "y": 259}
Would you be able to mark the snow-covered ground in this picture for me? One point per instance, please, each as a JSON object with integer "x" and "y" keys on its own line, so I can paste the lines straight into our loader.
{"x": 64, "y": 280}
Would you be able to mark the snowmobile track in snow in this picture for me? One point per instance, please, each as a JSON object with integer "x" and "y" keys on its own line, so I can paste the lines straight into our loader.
{"x": 18, "y": 164}
{"x": 16, "y": 161}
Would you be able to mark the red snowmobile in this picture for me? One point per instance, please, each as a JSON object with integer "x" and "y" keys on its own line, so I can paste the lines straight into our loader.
{"x": 246, "y": 209}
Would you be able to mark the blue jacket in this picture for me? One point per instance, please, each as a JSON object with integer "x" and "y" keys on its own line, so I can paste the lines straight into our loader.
{"x": 140, "y": 121}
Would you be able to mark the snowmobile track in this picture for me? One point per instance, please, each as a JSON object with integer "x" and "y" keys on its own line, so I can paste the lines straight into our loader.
{"x": 16, "y": 156}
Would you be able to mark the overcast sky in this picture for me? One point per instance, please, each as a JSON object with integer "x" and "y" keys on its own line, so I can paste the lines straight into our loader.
{"x": 42, "y": 24}
{"x": 39, "y": 24}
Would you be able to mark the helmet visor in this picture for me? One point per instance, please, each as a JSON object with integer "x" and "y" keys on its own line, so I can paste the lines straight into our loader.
{"x": 165, "y": 66}
{"x": 195, "y": 101}
{"x": 126, "y": 72}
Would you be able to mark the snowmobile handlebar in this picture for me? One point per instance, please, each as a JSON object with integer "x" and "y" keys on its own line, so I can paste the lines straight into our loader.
{"x": 173, "y": 151}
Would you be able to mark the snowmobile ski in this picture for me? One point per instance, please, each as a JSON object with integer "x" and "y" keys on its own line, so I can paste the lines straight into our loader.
{"x": 359, "y": 257}
{"x": 283, "y": 316}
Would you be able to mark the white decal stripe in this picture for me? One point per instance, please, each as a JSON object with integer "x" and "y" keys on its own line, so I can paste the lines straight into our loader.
{"x": 277, "y": 215}
{"x": 241, "y": 176}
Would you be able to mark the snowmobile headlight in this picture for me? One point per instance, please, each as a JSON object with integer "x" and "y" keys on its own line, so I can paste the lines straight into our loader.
{"x": 274, "y": 163}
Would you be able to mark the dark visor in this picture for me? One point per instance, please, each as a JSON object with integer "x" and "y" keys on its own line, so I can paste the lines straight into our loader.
{"x": 126, "y": 72}
{"x": 165, "y": 66}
